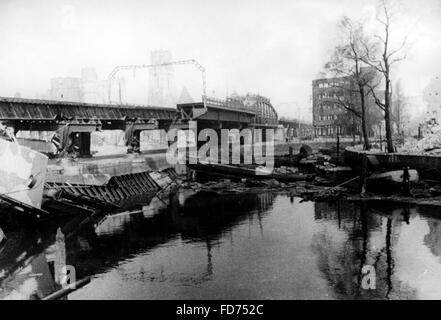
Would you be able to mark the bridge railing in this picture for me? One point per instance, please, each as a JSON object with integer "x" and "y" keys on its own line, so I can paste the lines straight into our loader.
{"x": 264, "y": 112}
{"x": 229, "y": 104}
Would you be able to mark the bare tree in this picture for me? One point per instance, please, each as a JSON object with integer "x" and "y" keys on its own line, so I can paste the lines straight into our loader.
{"x": 397, "y": 110}
{"x": 379, "y": 55}
{"x": 346, "y": 63}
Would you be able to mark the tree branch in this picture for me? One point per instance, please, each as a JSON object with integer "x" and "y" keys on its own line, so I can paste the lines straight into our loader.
{"x": 378, "y": 102}
{"x": 399, "y": 48}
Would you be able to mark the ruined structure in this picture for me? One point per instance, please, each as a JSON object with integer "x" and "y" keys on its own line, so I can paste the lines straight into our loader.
{"x": 432, "y": 96}
{"x": 161, "y": 88}
{"x": 88, "y": 88}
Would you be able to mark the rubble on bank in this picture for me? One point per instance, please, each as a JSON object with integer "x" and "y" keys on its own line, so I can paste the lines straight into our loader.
{"x": 429, "y": 145}
{"x": 302, "y": 189}
{"x": 421, "y": 194}
{"x": 331, "y": 181}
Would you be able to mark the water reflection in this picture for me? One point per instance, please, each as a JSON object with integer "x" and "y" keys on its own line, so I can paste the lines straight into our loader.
{"x": 98, "y": 243}
{"x": 352, "y": 236}
{"x": 254, "y": 245}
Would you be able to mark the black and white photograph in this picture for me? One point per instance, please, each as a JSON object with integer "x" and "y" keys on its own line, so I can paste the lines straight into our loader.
{"x": 220, "y": 154}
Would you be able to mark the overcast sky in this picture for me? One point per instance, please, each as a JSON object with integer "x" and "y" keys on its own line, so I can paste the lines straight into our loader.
{"x": 275, "y": 48}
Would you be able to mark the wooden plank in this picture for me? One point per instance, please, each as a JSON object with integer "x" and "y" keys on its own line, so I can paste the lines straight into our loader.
{"x": 24, "y": 208}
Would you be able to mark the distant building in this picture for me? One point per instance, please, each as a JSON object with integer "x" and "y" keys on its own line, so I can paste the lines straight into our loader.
{"x": 161, "y": 89}
{"x": 412, "y": 114}
{"x": 65, "y": 89}
{"x": 296, "y": 129}
{"x": 90, "y": 86}
{"x": 87, "y": 88}
{"x": 432, "y": 97}
{"x": 330, "y": 117}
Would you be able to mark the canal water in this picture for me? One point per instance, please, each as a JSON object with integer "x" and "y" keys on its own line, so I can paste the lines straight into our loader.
{"x": 253, "y": 246}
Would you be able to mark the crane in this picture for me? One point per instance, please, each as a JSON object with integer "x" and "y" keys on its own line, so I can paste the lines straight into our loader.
{"x": 146, "y": 66}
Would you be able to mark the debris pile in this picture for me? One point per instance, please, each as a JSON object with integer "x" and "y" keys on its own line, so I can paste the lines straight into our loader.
{"x": 226, "y": 185}
{"x": 6, "y": 133}
{"x": 431, "y": 144}
{"x": 319, "y": 157}
{"x": 285, "y": 169}
{"x": 306, "y": 191}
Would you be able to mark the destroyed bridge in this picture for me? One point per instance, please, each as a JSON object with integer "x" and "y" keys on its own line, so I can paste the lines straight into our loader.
{"x": 85, "y": 118}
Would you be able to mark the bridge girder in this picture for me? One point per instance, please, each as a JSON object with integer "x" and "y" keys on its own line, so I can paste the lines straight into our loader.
{"x": 42, "y": 115}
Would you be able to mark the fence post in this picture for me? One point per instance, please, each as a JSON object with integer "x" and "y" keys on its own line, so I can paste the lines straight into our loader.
{"x": 338, "y": 149}
{"x": 363, "y": 173}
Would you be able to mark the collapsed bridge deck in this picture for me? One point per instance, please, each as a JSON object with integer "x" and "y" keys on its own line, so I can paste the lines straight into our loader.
{"x": 43, "y": 115}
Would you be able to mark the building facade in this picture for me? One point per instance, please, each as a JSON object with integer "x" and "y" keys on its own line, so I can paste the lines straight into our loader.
{"x": 88, "y": 88}
{"x": 331, "y": 96}
{"x": 161, "y": 88}
{"x": 330, "y": 117}
{"x": 432, "y": 97}
{"x": 65, "y": 89}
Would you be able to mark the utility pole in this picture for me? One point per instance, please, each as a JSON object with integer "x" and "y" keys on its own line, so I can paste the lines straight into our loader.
{"x": 119, "y": 92}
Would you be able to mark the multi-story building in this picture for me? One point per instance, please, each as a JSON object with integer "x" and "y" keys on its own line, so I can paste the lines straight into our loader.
{"x": 161, "y": 88}
{"x": 87, "y": 88}
{"x": 432, "y": 97}
{"x": 90, "y": 86}
{"x": 330, "y": 117}
{"x": 65, "y": 89}
{"x": 329, "y": 98}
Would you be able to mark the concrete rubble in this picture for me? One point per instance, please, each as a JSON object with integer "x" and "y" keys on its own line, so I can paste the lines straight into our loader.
{"x": 430, "y": 145}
